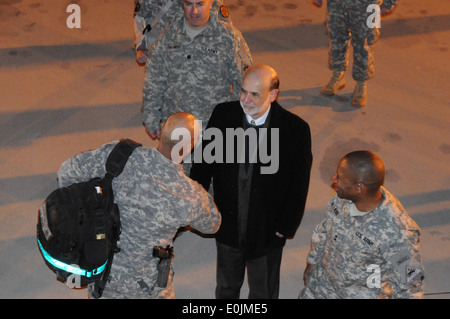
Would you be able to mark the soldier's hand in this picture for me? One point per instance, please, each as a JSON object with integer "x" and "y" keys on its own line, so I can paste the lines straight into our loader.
{"x": 317, "y": 3}
{"x": 141, "y": 56}
{"x": 155, "y": 134}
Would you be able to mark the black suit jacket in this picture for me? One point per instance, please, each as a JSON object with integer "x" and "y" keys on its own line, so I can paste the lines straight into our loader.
{"x": 277, "y": 201}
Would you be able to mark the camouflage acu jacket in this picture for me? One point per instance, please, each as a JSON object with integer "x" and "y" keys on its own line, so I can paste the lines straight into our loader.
{"x": 193, "y": 75}
{"x": 146, "y": 11}
{"x": 375, "y": 255}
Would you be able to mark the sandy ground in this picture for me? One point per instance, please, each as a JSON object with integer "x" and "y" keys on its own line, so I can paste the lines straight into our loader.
{"x": 64, "y": 91}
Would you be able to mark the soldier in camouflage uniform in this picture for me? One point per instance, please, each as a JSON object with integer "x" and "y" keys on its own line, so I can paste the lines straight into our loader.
{"x": 352, "y": 19}
{"x": 158, "y": 14}
{"x": 192, "y": 73}
{"x": 155, "y": 199}
{"x": 367, "y": 247}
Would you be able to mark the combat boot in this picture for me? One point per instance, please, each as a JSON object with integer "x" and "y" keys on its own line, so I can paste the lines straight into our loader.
{"x": 337, "y": 82}
{"x": 360, "y": 94}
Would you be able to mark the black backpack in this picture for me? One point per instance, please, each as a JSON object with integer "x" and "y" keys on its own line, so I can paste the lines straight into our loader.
{"x": 78, "y": 226}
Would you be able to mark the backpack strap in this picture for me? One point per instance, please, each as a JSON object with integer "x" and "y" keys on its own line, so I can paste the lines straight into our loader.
{"x": 119, "y": 156}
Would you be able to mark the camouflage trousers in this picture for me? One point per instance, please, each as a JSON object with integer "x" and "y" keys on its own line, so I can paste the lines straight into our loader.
{"x": 347, "y": 20}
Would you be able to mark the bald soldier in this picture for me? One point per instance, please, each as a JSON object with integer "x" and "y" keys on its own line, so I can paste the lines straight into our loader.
{"x": 367, "y": 246}
{"x": 155, "y": 199}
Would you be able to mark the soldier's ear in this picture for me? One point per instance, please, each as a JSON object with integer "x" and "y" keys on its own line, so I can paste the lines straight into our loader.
{"x": 360, "y": 188}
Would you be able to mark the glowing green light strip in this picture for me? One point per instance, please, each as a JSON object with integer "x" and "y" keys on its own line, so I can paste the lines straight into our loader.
{"x": 72, "y": 269}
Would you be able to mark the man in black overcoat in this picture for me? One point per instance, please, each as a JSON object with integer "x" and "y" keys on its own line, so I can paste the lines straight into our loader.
{"x": 261, "y": 195}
